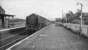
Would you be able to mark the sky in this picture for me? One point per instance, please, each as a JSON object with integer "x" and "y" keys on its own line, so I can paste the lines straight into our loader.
{"x": 49, "y": 9}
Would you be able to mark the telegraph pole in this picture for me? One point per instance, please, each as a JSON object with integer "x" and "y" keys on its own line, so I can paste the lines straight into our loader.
{"x": 81, "y": 22}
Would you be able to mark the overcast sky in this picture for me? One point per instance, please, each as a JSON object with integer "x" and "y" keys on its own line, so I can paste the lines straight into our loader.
{"x": 47, "y": 8}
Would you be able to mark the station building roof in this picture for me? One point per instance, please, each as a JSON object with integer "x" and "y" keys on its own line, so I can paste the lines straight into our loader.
{"x": 6, "y": 15}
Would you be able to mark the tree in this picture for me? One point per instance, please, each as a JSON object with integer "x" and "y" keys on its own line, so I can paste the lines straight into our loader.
{"x": 78, "y": 13}
{"x": 70, "y": 16}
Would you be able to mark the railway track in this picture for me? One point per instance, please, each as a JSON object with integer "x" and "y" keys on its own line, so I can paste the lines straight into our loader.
{"x": 7, "y": 42}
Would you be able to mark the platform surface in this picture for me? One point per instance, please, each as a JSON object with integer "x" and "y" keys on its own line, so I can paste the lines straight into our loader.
{"x": 54, "y": 38}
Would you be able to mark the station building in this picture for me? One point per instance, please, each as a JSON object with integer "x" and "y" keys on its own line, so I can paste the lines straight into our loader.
{"x": 4, "y": 18}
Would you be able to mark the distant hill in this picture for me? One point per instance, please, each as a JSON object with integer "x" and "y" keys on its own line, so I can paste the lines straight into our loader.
{"x": 17, "y": 20}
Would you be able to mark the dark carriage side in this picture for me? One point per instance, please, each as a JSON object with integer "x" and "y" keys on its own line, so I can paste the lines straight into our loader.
{"x": 35, "y": 22}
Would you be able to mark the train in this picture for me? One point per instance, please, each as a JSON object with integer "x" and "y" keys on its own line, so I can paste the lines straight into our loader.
{"x": 35, "y": 22}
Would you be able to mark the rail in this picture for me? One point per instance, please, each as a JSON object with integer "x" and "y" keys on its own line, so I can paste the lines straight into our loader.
{"x": 29, "y": 38}
{"x": 7, "y": 34}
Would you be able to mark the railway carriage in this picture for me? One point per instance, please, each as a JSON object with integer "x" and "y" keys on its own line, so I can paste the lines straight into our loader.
{"x": 35, "y": 22}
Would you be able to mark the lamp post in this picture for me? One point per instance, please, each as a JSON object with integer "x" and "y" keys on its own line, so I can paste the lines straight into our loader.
{"x": 81, "y": 16}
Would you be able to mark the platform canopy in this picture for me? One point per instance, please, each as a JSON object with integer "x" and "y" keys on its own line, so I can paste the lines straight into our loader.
{"x": 6, "y": 15}
{"x": 2, "y": 17}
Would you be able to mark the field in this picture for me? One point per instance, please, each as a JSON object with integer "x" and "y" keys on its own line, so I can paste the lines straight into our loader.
{"x": 13, "y": 23}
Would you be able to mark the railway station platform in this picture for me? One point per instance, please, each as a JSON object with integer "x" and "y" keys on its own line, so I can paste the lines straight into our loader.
{"x": 52, "y": 37}
{"x": 6, "y": 29}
